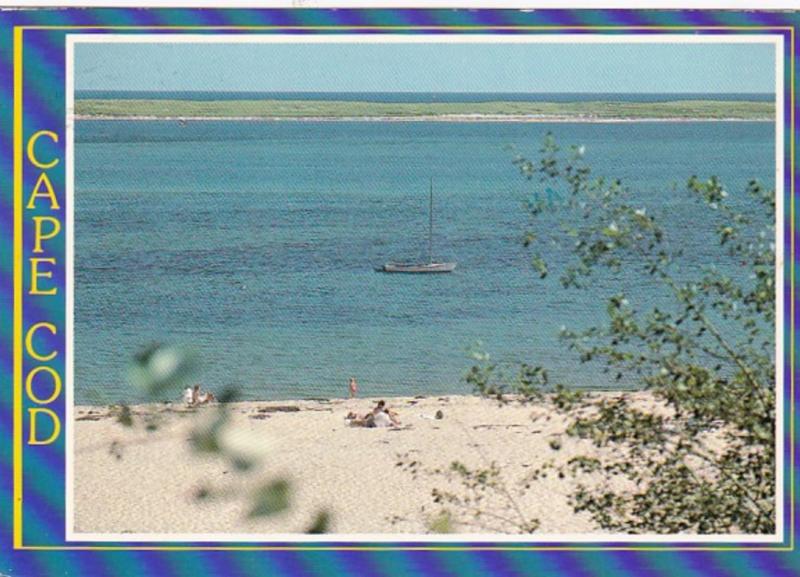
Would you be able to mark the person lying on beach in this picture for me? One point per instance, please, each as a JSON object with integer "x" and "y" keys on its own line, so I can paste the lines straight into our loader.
{"x": 353, "y": 420}
{"x": 378, "y": 417}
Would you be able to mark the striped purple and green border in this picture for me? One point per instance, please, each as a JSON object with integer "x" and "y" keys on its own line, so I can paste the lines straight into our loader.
{"x": 41, "y": 552}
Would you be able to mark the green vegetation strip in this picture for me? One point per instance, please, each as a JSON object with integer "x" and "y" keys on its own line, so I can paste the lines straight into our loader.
{"x": 699, "y": 109}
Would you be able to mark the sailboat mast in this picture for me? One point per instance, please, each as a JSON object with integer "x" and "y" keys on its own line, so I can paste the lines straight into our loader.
{"x": 430, "y": 227}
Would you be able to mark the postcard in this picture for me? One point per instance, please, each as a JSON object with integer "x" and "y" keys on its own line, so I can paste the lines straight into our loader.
{"x": 367, "y": 291}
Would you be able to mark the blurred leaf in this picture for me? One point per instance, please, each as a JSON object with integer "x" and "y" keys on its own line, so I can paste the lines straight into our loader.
{"x": 270, "y": 499}
{"x": 442, "y": 523}
{"x": 203, "y": 493}
{"x": 205, "y": 438}
{"x": 158, "y": 369}
{"x": 320, "y": 524}
{"x": 228, "y": 395}
{"x": 241, "y": 464}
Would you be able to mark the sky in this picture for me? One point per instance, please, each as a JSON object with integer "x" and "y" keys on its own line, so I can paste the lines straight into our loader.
{"x": 373, "y": 67}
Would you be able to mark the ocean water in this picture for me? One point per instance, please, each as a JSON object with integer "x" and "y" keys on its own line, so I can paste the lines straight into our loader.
{"x": 427, "y": 96}
{"x": 254, "y": 243}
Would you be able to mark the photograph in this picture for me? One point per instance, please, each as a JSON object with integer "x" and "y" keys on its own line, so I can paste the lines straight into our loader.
{"x": 424, "y": 287}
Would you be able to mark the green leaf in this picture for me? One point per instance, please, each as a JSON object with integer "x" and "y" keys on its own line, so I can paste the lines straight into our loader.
{"x": 160, "y": 369}
{"x": 442, "y": 523}
{"x": 320, "y": 524}
{"x": 270, "y": 499}
{"x": 539, "y": 265}
{"x": 205, "y": 439}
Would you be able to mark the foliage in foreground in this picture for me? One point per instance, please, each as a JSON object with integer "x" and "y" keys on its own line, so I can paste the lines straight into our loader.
{"x": 706, "y": 351}
{"x": 472, "y": 499}
{"x": 160, "y": 370}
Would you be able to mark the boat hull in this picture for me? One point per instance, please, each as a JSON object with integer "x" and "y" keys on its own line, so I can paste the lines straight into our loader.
{"x": 410, "y": 268}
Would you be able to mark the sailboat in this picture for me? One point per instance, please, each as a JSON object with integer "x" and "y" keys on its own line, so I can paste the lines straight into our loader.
{"x": 423, "y": 267}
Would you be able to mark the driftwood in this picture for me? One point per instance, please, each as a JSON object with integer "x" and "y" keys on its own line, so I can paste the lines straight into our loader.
{"x": 280, "y": 409}
{"x": 490, "y": 426}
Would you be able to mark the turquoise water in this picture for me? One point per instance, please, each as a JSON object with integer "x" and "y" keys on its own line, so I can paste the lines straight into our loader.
{"x": 255, "y": 243}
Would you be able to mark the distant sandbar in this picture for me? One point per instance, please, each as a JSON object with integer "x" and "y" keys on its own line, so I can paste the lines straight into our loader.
{"x": 327, "y": 110}
{"x": 428, "y": 118}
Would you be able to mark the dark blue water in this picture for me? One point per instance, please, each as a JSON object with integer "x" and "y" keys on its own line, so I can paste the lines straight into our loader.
{"x": 255, "y": 242}
{"x": 415, "y": 97}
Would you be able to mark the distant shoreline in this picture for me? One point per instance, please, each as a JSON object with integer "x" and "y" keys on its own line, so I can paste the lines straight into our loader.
{"x": 427, "y": 118}
{"x": 495, "y": 111}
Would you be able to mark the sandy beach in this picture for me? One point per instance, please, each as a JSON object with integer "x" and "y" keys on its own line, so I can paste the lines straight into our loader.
{"x": 128, "y": 480}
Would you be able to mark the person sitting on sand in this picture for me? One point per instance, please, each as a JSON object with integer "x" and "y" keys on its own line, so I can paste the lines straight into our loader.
{"x": 381, "y": 419}
{"x": 381, "y": 408}
{"x": 193, "y": 396}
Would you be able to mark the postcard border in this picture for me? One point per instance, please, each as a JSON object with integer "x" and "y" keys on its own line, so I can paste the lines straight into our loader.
{"x": 18, "y": 293}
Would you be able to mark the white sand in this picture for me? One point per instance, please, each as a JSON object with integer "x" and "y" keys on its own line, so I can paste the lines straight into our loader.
{"x": 351, "y": 472}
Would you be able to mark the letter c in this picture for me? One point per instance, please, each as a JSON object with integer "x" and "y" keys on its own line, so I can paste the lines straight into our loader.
{"x": 29, "y": 342}
{"x": 32, "y": 156}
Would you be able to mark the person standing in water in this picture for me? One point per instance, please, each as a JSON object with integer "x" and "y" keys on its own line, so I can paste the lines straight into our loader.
{"x": 353, "y": 388}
